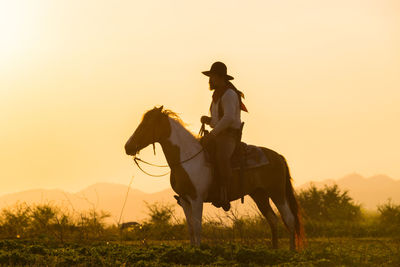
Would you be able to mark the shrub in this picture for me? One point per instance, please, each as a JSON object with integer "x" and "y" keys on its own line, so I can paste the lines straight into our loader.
{"x": 15, "y": 221}
{"x": 91, "y": 224}
{"x": 160, "y": 213}
{"x": 328, "y": 204}
{"x": 161, "y": 225}
{"x": 389, "y": 216}
{"x": 389, "y": 213}
{"x": 48, "y": 222}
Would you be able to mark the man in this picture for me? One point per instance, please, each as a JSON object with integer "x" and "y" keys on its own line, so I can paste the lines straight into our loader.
{"x": 225, "y": 120}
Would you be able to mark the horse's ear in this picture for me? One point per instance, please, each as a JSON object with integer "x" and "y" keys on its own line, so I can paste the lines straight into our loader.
{"x": 160, "y": 108}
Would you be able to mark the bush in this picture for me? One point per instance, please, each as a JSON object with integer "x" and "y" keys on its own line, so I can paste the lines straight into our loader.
{"x": 161, "y": 225}
{"x": 91, "y": 224}
{"x": 160, "y": 213}
{"x": 15, "y": 221}
{"x": 389, "y": 217}
{"x": 328, "y": 204}
{"x": 329, "y": 212}
{"x": 48, "y": 222}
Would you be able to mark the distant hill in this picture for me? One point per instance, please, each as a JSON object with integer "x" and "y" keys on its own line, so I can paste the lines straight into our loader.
{"x": 369, "y": 192}
{"x": 110, "y": 197}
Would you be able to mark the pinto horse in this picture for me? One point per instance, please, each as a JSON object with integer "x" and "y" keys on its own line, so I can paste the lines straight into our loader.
{"x": 191, "y": 176}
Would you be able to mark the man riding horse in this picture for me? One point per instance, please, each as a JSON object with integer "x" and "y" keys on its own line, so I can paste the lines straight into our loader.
{"x": 225, "y": 120}
{"x": 192, "y": 177}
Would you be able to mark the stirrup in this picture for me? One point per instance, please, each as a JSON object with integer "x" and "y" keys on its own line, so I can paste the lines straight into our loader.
{"x": 225, "y": 203}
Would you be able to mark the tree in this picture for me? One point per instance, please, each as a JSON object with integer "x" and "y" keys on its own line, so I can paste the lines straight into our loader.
{"x": 328, "y": 204}
{"x": 160, "y": 213}
{"x": 389, "y": 213}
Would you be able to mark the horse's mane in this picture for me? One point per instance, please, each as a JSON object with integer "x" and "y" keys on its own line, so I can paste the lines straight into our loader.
{"x": 170, "y": 114}
{"x": 173, "y": 115}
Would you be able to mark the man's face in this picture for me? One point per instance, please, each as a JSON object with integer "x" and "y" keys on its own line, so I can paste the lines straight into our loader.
{"x": 216, "y": 81}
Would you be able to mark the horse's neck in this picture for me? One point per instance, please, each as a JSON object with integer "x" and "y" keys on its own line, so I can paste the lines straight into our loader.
{"x": 182, "y": 138}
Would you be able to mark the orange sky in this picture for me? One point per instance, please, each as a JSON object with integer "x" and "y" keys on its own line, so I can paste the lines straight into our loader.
{"x": 322, "y": 83}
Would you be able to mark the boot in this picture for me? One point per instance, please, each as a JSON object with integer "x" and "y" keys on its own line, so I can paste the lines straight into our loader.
{"x": 225, "y": 204}
{"x": 216, "y": 203}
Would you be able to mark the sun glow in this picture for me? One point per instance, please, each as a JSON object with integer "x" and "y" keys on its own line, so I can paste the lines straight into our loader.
{"x": 17, "y": 30}
{"x": 320, "y": 78}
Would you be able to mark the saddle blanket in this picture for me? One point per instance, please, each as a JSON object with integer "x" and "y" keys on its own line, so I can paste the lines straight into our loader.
{"x": 253, "y": 157}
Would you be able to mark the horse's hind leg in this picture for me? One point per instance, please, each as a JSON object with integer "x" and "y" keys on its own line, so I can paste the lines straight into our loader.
{"x": 262, "y": 201}
{"x": 288, "y": 218}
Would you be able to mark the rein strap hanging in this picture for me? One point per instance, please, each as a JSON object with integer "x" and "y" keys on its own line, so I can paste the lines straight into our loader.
{"x": 149, "y": 174}
{"x": 136, "y": 159}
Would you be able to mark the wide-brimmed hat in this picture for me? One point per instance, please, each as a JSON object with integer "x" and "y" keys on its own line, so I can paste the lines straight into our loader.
{"x": 218, "y": 68}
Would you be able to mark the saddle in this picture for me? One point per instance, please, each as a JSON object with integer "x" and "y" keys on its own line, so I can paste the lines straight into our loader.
{"x": 244, "y": 157}
{"x": 248, "y": 156}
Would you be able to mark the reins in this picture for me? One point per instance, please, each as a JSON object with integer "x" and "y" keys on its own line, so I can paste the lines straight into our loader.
{"x": 136, "y": 159}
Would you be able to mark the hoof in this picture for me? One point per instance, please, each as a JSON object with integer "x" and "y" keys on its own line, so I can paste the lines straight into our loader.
{"x": 178, "y": 200}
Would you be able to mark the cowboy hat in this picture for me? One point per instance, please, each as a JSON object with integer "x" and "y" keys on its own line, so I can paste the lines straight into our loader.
{"x": 218, "y": 68}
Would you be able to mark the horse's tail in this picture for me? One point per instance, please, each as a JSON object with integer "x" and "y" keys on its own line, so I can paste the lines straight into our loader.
{"x": 295, "y": 208}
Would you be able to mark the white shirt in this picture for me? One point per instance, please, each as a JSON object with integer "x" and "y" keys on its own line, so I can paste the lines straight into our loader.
{"x": 231, "y": 107}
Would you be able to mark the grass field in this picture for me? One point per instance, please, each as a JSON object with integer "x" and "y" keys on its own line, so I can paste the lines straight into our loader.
{"x": 339, "y": 234}
{"x": 319, "y": 252}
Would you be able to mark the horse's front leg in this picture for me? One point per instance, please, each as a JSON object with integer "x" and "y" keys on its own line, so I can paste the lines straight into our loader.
{"x": 197, "y": 213}
{"x": 187, "y": 209}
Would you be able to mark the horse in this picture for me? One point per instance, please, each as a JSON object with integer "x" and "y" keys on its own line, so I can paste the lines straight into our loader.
{"x": 192, "y": 177}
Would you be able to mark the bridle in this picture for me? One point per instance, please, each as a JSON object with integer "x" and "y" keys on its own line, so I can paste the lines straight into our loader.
{"x": 136, "y": 159}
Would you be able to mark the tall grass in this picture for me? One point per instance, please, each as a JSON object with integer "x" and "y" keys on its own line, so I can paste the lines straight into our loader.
{"x": 46, "y": 221}
{"x": 51, "y": 223}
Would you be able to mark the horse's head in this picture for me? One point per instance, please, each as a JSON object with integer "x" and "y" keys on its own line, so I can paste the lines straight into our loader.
{"x": 153, "y": 127}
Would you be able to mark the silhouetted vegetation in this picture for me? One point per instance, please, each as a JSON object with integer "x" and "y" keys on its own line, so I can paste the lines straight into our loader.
{"x": 161, "y": 225}
{"x": 51, "y": 223}
{"x": 328, "y": 204}
{"x": 327, "y": 212}
{"x": 389, "y": 217}
{"x": 331, "y": 212}
{"x": 47, "y": 235}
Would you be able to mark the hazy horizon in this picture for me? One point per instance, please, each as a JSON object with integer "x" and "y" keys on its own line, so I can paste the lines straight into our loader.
{"x": 321, "y": 81}
{"x": 369, "y": 192}
{"x": 134, "y": 187}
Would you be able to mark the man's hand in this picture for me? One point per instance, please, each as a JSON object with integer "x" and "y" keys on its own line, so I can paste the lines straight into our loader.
{"x": 205, "y": 120}
{"x": 207, "y": 139}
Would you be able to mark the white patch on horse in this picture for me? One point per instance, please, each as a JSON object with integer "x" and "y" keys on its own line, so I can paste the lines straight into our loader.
{"x": 197, "y": 169}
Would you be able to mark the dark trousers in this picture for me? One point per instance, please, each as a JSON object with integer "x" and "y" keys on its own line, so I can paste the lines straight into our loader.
{"x": 225, "y": 144}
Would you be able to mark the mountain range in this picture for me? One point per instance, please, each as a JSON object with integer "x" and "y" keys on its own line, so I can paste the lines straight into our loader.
{"x": 369, "y": 192}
